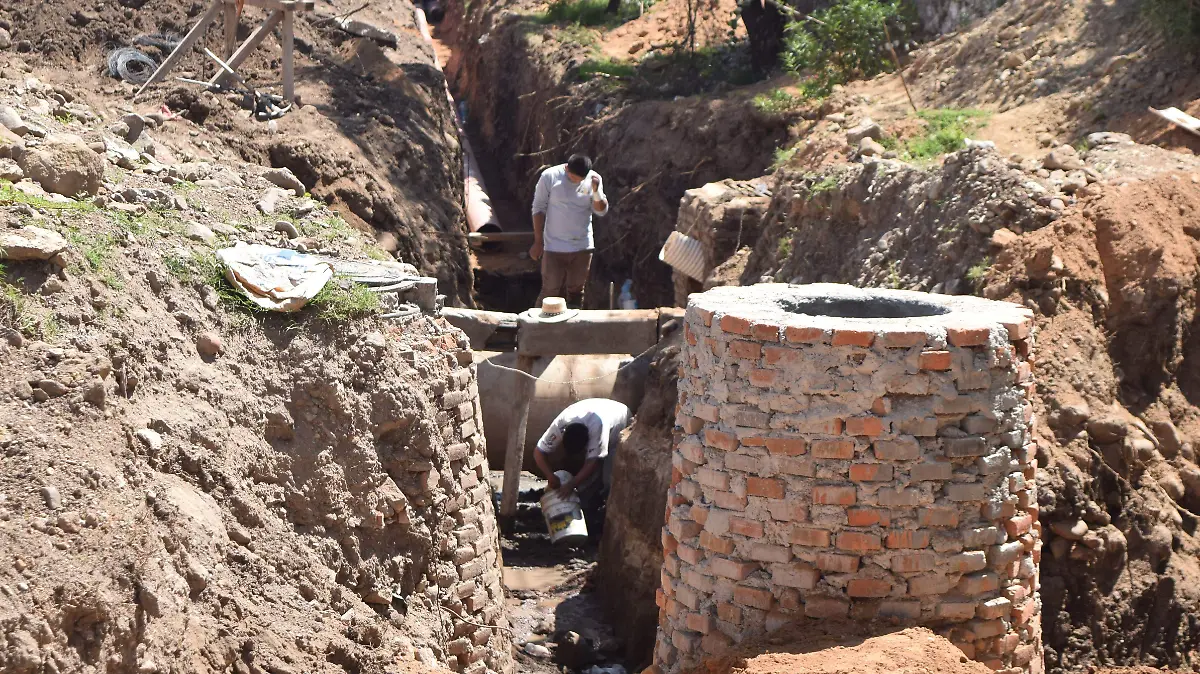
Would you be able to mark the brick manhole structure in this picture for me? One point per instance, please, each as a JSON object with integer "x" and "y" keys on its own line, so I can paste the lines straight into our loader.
{"x": 853, "y": 454}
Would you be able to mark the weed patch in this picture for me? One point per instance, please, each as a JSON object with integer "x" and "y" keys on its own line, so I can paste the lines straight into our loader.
{"x": 945, "y": 131}
{"x": 11, "y": 195}
{"x": 588, "y": 13}
{"x": 777, "y": 102}
{"x": 843, "y": 42}
{"x": 783, "y": 156}
{"x": 335, "y": 304}
{"x": 978, "y": 273}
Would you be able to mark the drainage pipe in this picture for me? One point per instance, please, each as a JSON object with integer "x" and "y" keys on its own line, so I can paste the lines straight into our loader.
{"x": 549, "y": 397}
{"x": 480, "y": 215}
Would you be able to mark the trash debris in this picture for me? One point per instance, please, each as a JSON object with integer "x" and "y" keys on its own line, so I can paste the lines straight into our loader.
{"x": 275, "y": 278}
{"x": 1179, "y": 118}
{"x": 536, "y": 650}
{"x": 606, "y": 669}
{"x": 364, "y": 29}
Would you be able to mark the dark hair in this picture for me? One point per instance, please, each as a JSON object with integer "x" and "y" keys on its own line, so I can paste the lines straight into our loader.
{"x": 580, "y": 165}
{"x": 575, "y": 438}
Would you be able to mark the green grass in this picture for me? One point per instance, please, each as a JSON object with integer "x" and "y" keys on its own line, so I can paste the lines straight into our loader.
{"x": 96, "y": 249}
{"x": 588, "y": 13}
{"x": 777, "y": 102}
{"x": 328, "y": 230}
{"x": 784, "y": 250}
{"x": 11, "y": 195}
{"x": 945, "y": 131}
{"x": 17, "y": 312}
{"x": 335, "y": 304}
{"x": 977, "y": 274}
{"x": 783, "y": 155}
{"x": 825, "y": 184}
{"x": 183, "y": 186}
{"x": 893, "y": 280}
{"x": 606, "y": 68}
{"x": 377, "y": 253}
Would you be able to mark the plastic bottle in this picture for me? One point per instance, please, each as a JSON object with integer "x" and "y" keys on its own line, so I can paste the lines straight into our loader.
{"x": 626, "y": 299}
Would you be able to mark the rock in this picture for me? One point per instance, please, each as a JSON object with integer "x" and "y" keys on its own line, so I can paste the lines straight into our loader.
{"x": 52, "y": 286}
{"x": 305, "y": 208}
{"x": 197, "y": 576}
{"x": 536, "y": 650}
{"x": 868, "y": 147}
{"x": 270, "y": 201}
{"x": 134, "y": 124}
{"x": 865, "y": 129}
{"x": 636, "y": 47}
{"x": 11, "y": 145}
{"x": 68, "y": 523}
{"x": 51, "y": 496}
{"x": 1063, "y": 157}
{"x": 1014, "y": 59}
{"x": 198, "y": 232}
{"x": 10, "y": 170}
{"x": 22, "y": 390}
{"x": 1045, "y": 139}
{"x": 5, "y": 39}
{"x": 64, "y": 165}
{"x": 238, "y": 534}
{"x": 25, "y": 655}
{"x": 836, "y": 118}
{"x": 30, "y": 243}
{"x": 1076, "y": 413}
{"x": 1141, "y": 448}
{"x": 1170, "y": 441}
{"x": 1189, "y": 473}
{"x": 96, "y": 393}
{"x": 282, "y": 177}
{"x": 40, "y": 396}
{"x": 287, "y": 228}
{"x": 12, "y": 121}
{"x": 1070, "y": 530}
{"x": 1075, "y": 181}
{"x": 149, "y": 600}
{"x": 208, "y": 345}
{"x": 1109, "y": 138}
{"x": 225, "y": 230}
{"x": 1108, "y": 430}
{"x": 1171, "y": 483}
{"x": 52, "y": 387}
{"x": 149, "y": 438}
{"x": 1003, "y": 238}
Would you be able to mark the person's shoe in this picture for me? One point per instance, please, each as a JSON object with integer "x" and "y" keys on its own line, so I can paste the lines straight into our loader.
{"x": 575, "y": 301}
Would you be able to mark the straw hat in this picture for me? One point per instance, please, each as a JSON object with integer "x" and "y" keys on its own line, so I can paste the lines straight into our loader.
{"x": 554, "y": 310}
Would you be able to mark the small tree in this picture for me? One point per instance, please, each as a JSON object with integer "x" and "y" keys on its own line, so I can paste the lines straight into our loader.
{"x": 845, "y": 41}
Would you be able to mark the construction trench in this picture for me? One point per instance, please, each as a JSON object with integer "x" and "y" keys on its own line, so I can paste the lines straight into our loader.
{"x": 817, "y": 467}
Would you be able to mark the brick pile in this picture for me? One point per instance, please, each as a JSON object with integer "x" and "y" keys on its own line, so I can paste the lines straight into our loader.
{"x": 466, "y": 578}
{"x": 861, "y": 468}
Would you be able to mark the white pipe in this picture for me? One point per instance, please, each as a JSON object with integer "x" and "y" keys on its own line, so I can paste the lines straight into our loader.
{"x": 480, "y": 215}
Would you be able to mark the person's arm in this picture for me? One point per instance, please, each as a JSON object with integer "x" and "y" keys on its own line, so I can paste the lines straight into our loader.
{"x": 589, "y": 467}
{"x": 599, "y": 201}
{"x": 543, "y": 465}
{"x": 541, "y": 202}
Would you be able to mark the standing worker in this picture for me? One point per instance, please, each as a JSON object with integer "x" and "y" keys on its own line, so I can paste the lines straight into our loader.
{"x": 582, "y": 440}
{"x": 566, "y": 197}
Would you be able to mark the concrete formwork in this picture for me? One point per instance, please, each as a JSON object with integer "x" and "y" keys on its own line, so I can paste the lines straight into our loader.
{"x": 854, "y": 454}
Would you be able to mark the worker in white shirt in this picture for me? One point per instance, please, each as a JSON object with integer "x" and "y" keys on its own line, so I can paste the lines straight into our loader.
{"x": 566, "y": 197}
{"x": 582, "y": 440}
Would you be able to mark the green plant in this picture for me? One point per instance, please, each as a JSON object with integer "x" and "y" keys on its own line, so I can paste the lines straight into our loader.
{"x": 328, "y": 230}
{"x": 14, "y": 310}
{"x": 978, "y": 273}
{"x": 377, "y": 253}
{"x": 783, "y": 155}
{"x": 183, "y": 186}
{"x": 945, "y": 131}
{"x": 824, "y": 185}
{"x": 784, "y": 250}
{"x": 606, "y": 67}
{"x": 893, "y": 280}
{"x": 96, "y": 249}
{"x": 845, "y": 41}
{"x": 335, "y": 304}
{"x": 589, "y": 12}
{"x": 11, "y": 195}
{"x": 1177, "y": 19}
{"x": 777, "y": 102}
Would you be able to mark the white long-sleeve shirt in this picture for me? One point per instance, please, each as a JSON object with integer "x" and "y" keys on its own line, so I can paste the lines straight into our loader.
{"x": 568, "y": 211}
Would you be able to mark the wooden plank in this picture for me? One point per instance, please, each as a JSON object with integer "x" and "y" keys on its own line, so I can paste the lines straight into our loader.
{"x": 231, "y": 25}
{"x": 514, "y": 453}
{"x": 289, "y": 39}
{"x": 590, "y": 332}
{"x": 184, "y": 47}
{"x": 290, "y": 5}
{"x": 251, "y": 43}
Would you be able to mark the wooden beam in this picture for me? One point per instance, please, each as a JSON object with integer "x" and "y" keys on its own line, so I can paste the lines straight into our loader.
{"x": 515, "y": 452}
{"x": 292, "y": 5}
{"x": 288, "y": 40}
{"x": 231, "y": 25}
{"x": 590, "y": 332}
{"x": 251, "y": 43}
{"x": 184, "y": 47}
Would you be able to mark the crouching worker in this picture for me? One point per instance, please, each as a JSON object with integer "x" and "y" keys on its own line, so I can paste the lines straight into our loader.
{"x": 581, "y": 441}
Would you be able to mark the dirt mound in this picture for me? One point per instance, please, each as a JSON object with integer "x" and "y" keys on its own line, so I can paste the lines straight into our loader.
{"x": 375, "y": 137}
{"x": 819, "y": 647}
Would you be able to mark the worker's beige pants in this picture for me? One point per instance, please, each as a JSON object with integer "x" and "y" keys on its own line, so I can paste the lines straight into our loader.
{"x": 565, "y": 275}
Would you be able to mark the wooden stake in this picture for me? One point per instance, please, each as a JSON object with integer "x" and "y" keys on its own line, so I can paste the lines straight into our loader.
{"x": 514, "y": 456}
{"x": 288, "y": 37}
{"x": 231, "y": 24}
{"x": 899, "y": 71}
{"x": 243, "y": 52}
{"x": 185, "y": 46}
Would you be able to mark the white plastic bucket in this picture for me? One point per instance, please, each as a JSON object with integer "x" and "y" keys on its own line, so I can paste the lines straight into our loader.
{"x": 564, "y": 517}
{"x": 684, "y": 254}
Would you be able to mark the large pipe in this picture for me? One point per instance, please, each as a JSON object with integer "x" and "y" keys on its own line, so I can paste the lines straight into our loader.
{"x": 595, "y": 377}
{"x": 480, "y": 216}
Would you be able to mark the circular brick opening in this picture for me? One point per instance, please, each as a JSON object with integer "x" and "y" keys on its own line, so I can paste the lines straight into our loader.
{"x": 863, "y": 307}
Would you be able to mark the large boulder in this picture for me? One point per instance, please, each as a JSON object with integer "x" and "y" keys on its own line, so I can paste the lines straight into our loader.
{"x": 30, "y": 243}
{"x": 64, "y": 165}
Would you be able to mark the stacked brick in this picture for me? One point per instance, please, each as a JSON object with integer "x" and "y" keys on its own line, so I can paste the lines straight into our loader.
{"x": 855, "y": 468}
{"x": 466, "y": 578}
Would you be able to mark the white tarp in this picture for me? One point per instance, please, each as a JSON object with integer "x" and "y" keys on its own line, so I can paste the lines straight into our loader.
{"x": 275, "y": 278}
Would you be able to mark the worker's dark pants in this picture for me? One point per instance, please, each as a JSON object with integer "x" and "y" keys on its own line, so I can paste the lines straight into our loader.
{"x": 593, "y": 498}
{"x": 565, "y": 275}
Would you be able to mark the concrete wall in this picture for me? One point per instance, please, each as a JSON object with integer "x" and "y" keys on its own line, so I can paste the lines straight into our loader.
{"x": 855, "y": 468}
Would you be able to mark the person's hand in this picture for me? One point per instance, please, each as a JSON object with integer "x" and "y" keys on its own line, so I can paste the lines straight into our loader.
{"x": 535, "y": 251}
{"x": 564, "y": 492}
{"x": 595, "y": 185}
{"x": 553, "y": 482}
